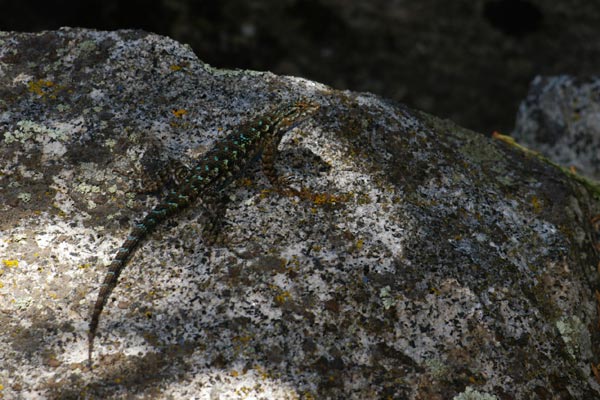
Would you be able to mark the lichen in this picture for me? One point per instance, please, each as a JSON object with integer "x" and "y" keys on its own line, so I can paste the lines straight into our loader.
{"x": 386, "y": 299}
{"x": 24, "y": 197}
{"x": 471, "y": 394}
{"x": 575, "y": 335}
{"x": 28, "y": 129}
{"x": 437, "y": 368}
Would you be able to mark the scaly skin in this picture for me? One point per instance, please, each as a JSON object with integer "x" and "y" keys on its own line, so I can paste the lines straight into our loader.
{"x": 226, "y": 161}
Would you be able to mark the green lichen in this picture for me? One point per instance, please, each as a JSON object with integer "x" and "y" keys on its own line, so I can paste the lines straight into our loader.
{"x": 87, "y": 189}
{"x": 24, "y": 197}
{"x": 110, "y": 143}
{"x": 23, "y": 303}
{"x": 387, "y": 300}
{"x": 575, "y": 335}
{"x": 470, "y": 394}
{"x": 230, "y": 72}
{"x": 437, "y": 368}
{"x": 88, "y": 46}
{"x": 91, "y": 205}
{"x": 28, "y": 130}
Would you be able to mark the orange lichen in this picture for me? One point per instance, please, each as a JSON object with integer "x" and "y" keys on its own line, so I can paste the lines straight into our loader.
{"x": 180, "y": 112}
{"x": 44, "y": 88}
{"x": 283, "y": 297}
{"x": 537, "y": 205}
{"x": 261, "y": 371}
{"x": 242, "y": 339}
{"x": 596, "y": 372}
{"x": 359, "y": 244}
{"x": 40, "y": 86}
{"x": 321, "y": 199}
{"x": 246, "y": 182}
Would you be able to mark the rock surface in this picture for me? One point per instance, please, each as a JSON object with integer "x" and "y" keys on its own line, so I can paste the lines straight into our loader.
{"x": 561, "y": 119}
{"x": 423, "y": 261}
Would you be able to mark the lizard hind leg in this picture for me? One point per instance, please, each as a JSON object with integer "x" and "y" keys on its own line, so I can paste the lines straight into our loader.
{"x": 153, "y": 170}
{"x": 164, "y": 175}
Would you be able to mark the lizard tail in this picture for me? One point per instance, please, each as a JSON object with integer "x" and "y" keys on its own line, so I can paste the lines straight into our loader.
{"x": 110, "y": 281}
{"x": 161, "y": 212}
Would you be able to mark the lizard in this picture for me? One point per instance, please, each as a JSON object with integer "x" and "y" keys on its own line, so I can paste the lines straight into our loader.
{"x": 227, "y": 160}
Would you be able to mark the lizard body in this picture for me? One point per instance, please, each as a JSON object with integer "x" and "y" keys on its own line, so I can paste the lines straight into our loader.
{"x": 227, "y": 160}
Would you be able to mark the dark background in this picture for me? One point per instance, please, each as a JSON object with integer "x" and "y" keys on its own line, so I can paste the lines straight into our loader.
{"x": 468, "y": 60}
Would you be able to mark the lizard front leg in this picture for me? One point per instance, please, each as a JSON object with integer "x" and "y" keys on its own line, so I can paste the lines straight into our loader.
{"x": 269, "y": 157}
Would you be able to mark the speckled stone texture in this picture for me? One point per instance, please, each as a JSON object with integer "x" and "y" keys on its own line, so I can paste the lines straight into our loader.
{"x": 421, "y": 260}
{"x": 561, "y": 119}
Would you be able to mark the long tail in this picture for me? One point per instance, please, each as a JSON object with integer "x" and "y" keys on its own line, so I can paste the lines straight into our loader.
{"x": 171, "y": 205}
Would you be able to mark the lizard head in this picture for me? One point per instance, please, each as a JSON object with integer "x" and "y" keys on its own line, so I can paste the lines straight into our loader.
{"x": 295, "y": 113}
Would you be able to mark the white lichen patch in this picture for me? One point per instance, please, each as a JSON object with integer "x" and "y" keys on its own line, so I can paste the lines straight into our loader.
{"x": 386, "y": 298}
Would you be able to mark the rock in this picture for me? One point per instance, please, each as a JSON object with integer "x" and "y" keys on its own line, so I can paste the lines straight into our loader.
{"x": 560, "y": 118}
{"x": 421, "y": 261}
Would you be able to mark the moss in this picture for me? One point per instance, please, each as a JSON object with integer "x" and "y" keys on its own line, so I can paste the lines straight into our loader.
{"x": 591, "y": 186}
